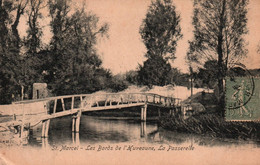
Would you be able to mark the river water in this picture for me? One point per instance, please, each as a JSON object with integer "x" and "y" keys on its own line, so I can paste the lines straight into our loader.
{"x": 121, "y": 140}
{"x": 98, "y": 130}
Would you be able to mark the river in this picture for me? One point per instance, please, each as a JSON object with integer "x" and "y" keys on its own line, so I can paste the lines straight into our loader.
{"x": 111, "y": 130}
{"x": 121, "y": 140}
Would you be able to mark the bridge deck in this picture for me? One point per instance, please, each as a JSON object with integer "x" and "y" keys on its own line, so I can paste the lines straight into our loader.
{"x": 68, "y": 105}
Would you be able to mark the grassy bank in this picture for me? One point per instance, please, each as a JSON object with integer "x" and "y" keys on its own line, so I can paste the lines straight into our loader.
{"x": 212, "y": 125}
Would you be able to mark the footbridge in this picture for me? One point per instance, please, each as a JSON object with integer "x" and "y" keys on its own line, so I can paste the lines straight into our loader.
{"x": 30, "y": 112}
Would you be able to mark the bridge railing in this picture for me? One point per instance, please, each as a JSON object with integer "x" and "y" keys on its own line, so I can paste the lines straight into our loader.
{"x": 87, "y": 101}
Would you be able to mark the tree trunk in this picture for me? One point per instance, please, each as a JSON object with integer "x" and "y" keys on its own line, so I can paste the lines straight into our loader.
{"x": 220, "y": 61}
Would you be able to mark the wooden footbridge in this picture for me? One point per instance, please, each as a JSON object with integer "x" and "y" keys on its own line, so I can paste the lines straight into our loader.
{"x": 43, "y": 110}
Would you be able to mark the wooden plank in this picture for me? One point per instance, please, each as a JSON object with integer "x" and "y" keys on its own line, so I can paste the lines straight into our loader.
{"x": 81, "y": 101}
{"x": 97, "y": 103}
{"x": 55, "y": 106}
{"x": 72, "y": 103}
{"x": 77, "y": 122}
{"x": 73, "y": 124}
{"x": 113, "y": 107}
{"x": 43, "y": 128}
{"x": 62, "y": 103}
{"x": 47, "y": 126}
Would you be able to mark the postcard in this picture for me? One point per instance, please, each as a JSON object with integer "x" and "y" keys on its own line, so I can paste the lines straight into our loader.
{"x": 129, "y": 82}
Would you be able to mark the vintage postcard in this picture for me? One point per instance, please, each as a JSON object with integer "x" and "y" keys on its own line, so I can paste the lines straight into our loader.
{"x": 129, "y": 82}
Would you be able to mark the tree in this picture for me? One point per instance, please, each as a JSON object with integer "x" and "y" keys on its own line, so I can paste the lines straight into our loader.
{"x": 155, "y": 71}
{"x": 10, "y": 59}
{"x": 219, "y": 29}
{"x": 31, "y": 64}
{"x": 160, "y": 32}
{"x": 132, "y": 77}
{"x": 19, "y": 7}
{"x": 75, "y": 66}
{"x": 208, "y": 74}
{"x": 161, "y": 29}
{"x": 34, "y": 32}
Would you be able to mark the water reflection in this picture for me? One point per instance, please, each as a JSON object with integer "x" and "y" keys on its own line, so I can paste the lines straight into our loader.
{"x": 94, "y": 130}
{"x": 45, "y": 143}
{"x": 143, "y": 130}
{"x": 75, "y": 138}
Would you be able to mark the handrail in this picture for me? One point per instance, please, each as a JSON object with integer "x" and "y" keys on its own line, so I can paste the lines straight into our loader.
{"x": 94, "y": 94}
{"x": 70, "y": 104}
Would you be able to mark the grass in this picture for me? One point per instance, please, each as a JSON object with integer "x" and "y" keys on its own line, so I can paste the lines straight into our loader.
{"x": 212, "y": 125}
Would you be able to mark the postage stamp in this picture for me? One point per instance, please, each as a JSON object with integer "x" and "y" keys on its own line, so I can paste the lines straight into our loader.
{"x": 242, "y": 99}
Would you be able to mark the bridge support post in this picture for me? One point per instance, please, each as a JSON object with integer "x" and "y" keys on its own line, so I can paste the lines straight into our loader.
{"x": 143, "y": 112}
{"x": 45, "y": 128}
{"x": 76, "y": 122}
{"x": 143, "y": 129}
{"x": 159, "y": 112}
{"x": 73, "y": 123}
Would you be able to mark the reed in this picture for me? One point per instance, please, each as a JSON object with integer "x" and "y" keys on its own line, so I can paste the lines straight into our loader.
{"x": 212, "y": 125}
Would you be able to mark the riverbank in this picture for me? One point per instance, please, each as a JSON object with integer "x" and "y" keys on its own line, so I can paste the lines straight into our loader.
{"x": 213, "y": 125}
{"x": 210, "y": 123}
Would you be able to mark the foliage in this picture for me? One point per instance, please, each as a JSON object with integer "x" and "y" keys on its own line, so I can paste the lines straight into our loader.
{"x": 212, "y": 125}
{"x": 219, "y": 29}
{"x": 69, "y": 64}
{"x": 178, "y": 78}
{"x": 76, "y": 66}
{"x": 34, "y": 31}
{"x": 160, "y": 29}
{"x": 160, "y": 32}
{"x": 32, "y": 45}
{"x": 118, "y": 83}
{"x": 132, "y": 77}
{"x": 154, "y": 71}
{"x": 208, "y": 74}
{"x": 10, "y": 60}
{"x": 219, "y": 32}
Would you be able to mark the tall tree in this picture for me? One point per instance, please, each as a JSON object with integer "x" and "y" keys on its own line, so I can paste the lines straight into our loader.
{"x": 161, "y": 29}
{"x": 219, "y": 29}
{"x": 75, "y": 65}
{"x": 19, "y": 7}
{"x": 10, "y": 60}
{"x": 34, "y": 31}
{"x": 31, "y": 63}
{"x": 160, "y": 32}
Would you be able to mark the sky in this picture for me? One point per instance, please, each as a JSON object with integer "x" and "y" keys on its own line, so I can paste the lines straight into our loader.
{"x": 124, "y": 49}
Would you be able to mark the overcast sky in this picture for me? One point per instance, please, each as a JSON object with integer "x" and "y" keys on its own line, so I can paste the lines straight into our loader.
{"x": 123, "y": 50}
